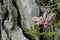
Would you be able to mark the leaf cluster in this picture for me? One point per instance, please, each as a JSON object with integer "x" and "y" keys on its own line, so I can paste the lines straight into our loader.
{"x": 35, "y": 31}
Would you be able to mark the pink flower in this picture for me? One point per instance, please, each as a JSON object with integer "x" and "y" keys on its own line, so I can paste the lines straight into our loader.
{"x": 43, "y": 21}
{"x": 35, "y": 18}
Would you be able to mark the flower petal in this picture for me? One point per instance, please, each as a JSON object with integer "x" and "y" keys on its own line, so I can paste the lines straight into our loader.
{"x": 39, "y": 22}
{"x": 35, "y": 18}
{"x": 49, "y": 18}
{"x": 45, "y": 24}
{"x": 44, "y": 15}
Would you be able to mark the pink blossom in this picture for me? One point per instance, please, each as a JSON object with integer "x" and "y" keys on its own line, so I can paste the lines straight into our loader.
{"x": 35, "y": 18}
{"x": 44, "y": 15}
{"x": 42, "y": 21}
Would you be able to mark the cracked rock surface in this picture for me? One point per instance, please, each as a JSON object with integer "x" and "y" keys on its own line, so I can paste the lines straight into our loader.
{"x": 13, "y": 15}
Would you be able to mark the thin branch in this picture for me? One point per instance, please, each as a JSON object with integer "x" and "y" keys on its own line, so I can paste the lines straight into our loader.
{"x": 49, "y": 6}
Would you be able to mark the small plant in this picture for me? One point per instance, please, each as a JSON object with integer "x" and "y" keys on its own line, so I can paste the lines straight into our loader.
{"x": 44, "y": 21}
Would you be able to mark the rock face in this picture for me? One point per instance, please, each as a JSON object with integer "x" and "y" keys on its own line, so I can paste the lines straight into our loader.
{"x": 28, "y": 9}
{"x": 10, "y": 29}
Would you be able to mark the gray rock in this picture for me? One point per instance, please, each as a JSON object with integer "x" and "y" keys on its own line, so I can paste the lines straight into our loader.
{"x": 4, "y": 35}
{"x": 57, "y": 35}
{"x": 14, "y": 32}
{"x": 28, "y": 9}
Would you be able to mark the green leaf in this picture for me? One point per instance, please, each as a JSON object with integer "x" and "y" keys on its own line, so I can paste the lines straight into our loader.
{"x": 39, "y": 34}
{"x": 31, "y": 28}
{"x": 59, "y": 23}
{"x": 49, "y": 24}
{"x": 51, "y": 33}
{"x": 37, "y": 28}
{"x": 33, "y": 31}
{"x": 29, "y": 32}
{"x": 58, "y": 1}
{"x": 58, "y": 6}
